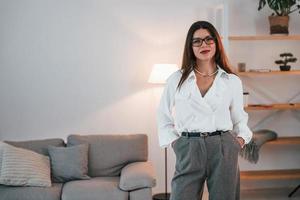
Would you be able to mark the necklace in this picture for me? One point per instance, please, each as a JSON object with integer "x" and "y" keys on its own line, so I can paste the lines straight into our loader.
{"x": 205, "y": 75}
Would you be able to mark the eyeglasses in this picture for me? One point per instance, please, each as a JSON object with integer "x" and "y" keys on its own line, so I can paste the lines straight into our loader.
{"x": 197, "y": 42}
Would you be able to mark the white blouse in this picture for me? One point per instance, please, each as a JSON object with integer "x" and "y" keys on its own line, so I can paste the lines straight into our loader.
{"x": 221, "y": 108}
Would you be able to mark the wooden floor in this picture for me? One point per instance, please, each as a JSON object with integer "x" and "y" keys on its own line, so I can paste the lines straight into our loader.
{"x": 265, "y": 194}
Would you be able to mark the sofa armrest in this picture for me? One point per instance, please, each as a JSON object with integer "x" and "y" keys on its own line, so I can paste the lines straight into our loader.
{"x": 137, "y": 175}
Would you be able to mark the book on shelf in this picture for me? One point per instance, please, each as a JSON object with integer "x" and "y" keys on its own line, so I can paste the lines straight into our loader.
{"x": 260, "y": 70}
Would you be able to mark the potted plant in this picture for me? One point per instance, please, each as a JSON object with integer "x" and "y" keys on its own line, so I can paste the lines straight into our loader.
{"x": 279, "y": 20}
{"x": 287, "y": 57}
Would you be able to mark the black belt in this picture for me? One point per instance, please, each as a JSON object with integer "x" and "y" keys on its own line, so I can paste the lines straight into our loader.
{"x": 202, "y": 134}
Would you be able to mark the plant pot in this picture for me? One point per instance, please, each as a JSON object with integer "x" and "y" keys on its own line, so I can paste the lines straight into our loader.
{"x": 285, "y": 67}
{"x": 279, "y": 24}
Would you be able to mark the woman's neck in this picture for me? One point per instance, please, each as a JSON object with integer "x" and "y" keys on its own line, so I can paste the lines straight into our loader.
{"x": 206, "y": 67}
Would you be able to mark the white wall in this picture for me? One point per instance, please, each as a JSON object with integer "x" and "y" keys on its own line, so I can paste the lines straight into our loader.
{"x": 78, "y": 66}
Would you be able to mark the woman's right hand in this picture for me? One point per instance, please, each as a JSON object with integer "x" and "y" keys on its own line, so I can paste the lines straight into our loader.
{"x": 173, "y": 143}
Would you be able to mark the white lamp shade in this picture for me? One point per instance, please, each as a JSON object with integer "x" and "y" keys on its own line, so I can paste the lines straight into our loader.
{"x": 161, "y": 72}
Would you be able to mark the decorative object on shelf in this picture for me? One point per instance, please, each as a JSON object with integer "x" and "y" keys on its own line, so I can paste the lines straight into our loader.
{"x": 251, "y": 150}
{"x": 287, "y": 57}
{"x": 241, "y": 67}
{"x": 245, "y": 98}
{"x": 279, "y": 20}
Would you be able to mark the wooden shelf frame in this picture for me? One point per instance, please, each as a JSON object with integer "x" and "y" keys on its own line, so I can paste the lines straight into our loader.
{"x": 264, "y": 37}
{"x": 282, "y": 174}
{"x": 273, "y": 72}
{"x": 277, "y": 106}
{"x": 293, "y": 140}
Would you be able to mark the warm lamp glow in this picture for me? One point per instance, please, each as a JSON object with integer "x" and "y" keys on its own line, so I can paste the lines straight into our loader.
{"x": 160, "y": 72}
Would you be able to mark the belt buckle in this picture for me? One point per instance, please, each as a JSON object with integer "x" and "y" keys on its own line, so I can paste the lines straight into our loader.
{"x": 204, "y": 134}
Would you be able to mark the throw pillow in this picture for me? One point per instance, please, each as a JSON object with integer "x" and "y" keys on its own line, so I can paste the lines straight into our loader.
{"x": 2, "y": 145}
{"x": 69, "y": 163}
{"x": 22, "y": 167}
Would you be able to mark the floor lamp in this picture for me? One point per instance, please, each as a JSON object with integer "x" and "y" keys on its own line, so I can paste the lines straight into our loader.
{"x": 159, "y": 75}
{"x": 166, "y": 195}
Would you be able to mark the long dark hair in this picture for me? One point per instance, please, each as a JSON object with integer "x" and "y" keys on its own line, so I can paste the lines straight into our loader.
{"x": 189, "y": 59}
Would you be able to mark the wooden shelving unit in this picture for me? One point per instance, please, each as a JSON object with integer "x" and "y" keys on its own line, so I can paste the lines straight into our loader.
{"x": 277, "y": 72}
{"x": 264, "y": 37}
{"x": 278, "y": 106}
{"x": 283, "y": 174}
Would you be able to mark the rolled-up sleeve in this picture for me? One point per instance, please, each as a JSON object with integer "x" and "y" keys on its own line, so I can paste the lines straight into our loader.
{"x": 165, "y": 121}
{"x": 238, "y": 115}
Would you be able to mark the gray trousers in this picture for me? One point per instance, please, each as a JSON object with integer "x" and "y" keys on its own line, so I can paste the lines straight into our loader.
{"x": 212, "y": 158}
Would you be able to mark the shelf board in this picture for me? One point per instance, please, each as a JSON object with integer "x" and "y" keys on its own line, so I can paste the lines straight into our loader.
{"x": 279, "y": 106}
{"x": 265, "y": 37}
{"x": 285, "y": 141}
{"x": 273, "y": 72}
{"x": 269, "y": 193}
{"x": 282, "y": 174}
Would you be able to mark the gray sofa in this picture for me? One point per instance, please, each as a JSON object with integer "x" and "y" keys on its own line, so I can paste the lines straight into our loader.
{"x": 117, "y": 165}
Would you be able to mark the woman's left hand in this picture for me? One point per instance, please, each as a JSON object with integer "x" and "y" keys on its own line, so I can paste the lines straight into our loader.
{"x": 241, "y": 141}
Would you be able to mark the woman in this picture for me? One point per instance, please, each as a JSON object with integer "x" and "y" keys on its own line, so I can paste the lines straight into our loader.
{"x": 208, "y": 127}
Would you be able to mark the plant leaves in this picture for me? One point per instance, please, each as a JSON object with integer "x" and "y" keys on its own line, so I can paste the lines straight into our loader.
{"x": 262, "y": 3}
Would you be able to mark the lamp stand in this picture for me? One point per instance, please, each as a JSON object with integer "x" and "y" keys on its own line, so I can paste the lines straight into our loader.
{"x": 166, "y": 195}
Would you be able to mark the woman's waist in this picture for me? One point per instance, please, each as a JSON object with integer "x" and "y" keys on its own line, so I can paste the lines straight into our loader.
{"x": 203, "y": 127}
{"x": 204, "y": 134}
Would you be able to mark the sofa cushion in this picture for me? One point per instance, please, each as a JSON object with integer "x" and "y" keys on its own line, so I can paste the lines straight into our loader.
{"x": 69, "y": 163}
{"x": 137, "y": 175}
{"x": 22, "y": 167}
{"x": 39, "y": 146}
{"x": 108, "y": 154}
{"x": 100, "y": 188}
{"x": 31, "y": 193}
